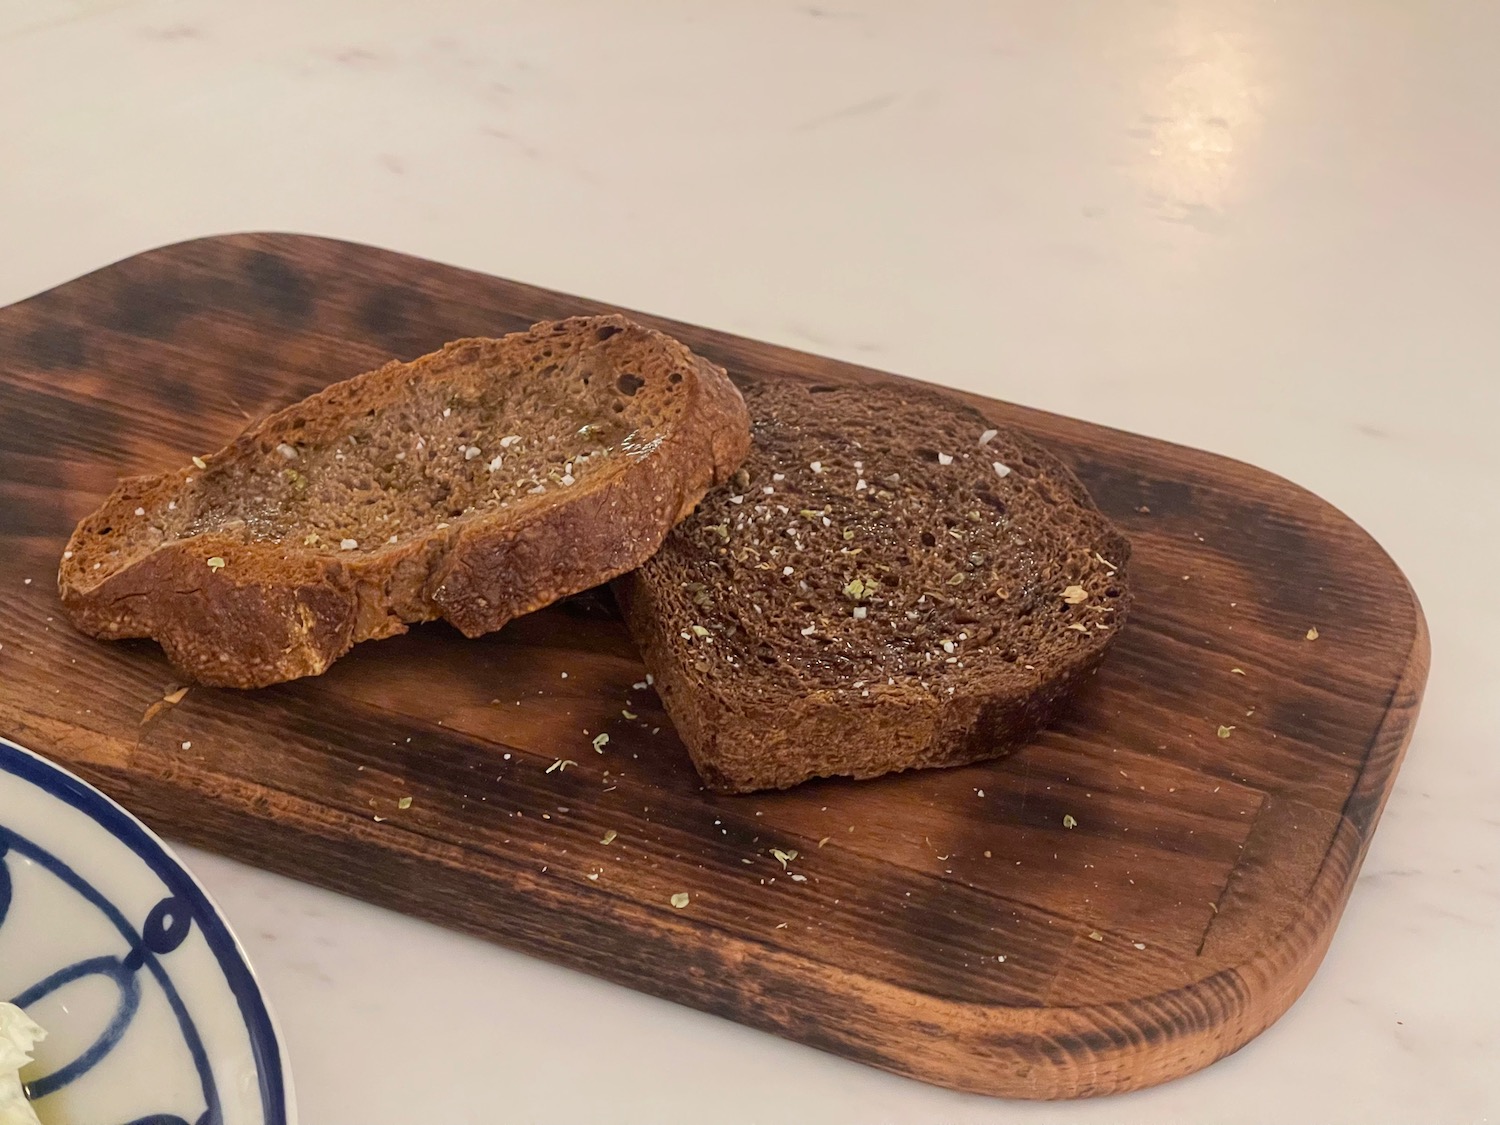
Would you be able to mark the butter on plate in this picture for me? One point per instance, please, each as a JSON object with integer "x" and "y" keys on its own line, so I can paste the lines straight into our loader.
{"x": 18, "y": 1034}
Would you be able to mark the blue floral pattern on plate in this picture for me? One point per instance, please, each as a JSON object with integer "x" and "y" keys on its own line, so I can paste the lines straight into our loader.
{"x": 154, "y": 1016}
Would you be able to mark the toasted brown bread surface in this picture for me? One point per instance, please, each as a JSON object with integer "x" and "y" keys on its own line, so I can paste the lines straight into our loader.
{"x": 477, "y": 483}
{"x": 888, "y": 583}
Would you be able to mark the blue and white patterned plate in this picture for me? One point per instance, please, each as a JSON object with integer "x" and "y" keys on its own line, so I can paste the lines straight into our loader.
{"x": 152, "y": 1012}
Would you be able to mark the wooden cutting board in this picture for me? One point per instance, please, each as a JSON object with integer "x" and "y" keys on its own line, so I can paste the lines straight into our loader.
{"x": 944, "y": 925}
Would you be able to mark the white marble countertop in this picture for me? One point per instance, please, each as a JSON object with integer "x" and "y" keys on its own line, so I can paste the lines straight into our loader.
{"x": 1269, "y": 231}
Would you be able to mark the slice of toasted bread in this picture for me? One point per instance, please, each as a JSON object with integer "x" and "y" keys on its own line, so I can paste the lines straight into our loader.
{"x": 888, "y": 583}
{"x": 477, "y": 483}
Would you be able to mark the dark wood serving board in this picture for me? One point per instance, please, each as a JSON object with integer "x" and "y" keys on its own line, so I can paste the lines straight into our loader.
{"x": 950, "y": 927}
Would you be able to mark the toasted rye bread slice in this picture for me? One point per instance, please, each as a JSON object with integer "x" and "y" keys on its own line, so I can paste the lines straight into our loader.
{"x": 477, "y": 483}
{"x": 888, "y": 584}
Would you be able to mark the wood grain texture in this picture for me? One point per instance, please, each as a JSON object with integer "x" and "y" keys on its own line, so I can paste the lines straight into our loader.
{"x": 1183, "y": 914}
